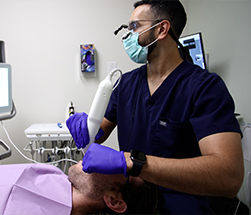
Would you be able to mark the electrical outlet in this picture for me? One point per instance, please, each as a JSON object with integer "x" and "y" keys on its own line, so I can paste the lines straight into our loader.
{"x": 111, "y": 66}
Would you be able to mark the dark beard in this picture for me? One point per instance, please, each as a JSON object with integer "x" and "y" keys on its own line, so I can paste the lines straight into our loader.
{"x": 151, "y": 48}
{"x": 150, "y": 39}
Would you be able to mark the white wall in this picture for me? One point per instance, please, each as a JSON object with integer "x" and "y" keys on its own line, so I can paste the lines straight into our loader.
{"x": 225, "y": 25}
{"x": 42, "y": 40}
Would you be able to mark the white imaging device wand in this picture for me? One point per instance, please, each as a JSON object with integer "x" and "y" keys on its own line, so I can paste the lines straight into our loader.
{"x": 99, "y": 106}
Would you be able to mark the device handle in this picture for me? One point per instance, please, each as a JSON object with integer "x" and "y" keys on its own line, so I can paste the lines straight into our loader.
{"x": 99, "y": 106}
{"x": 8, "y": 150}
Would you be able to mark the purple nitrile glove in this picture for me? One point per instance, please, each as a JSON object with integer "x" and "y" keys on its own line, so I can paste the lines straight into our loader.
{"x": 77, "y": 125}
{"x": 104, "y": 160}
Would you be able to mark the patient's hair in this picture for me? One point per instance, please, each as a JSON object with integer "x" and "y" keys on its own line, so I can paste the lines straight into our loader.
{"x": 141, "y": 198}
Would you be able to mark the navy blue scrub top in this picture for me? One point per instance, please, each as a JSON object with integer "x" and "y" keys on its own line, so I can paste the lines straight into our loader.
{"x": 190, "y": 104}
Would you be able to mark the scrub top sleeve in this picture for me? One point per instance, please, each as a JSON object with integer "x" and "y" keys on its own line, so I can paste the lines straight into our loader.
{"x": 214, "y": 109}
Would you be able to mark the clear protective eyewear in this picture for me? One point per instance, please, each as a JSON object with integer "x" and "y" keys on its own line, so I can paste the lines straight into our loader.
{"x": 133, "y": 26}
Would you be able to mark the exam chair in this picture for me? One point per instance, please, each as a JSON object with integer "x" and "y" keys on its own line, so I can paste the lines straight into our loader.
{"x": 244, "y": 194}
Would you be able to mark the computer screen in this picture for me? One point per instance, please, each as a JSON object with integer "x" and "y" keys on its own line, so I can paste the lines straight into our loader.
{"x": 6, "y": 105}
{"x": 194, "y": 44}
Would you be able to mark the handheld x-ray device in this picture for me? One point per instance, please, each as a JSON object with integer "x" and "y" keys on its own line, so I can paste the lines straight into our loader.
{"x": 99, "y": 106}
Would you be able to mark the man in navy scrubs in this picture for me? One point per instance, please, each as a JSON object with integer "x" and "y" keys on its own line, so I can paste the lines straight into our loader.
{"x": 177, "y": 114}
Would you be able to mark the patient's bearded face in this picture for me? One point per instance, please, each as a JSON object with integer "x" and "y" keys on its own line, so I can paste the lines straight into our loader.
{"x": 94, "y": 185}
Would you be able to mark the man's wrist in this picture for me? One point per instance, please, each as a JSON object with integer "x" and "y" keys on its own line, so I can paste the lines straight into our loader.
{"x": 138, "y": 159}
{"x": 129, "y": 162}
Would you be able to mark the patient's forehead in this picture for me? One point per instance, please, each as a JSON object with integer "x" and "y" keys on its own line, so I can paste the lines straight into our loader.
{"x": 136, "y": 180}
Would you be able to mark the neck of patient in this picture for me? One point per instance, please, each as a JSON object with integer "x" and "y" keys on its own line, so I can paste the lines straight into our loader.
{"x": 81, "y": 204}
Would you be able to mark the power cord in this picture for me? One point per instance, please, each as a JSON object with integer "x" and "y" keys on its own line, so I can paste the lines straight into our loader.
{"x": 237, "y": 207}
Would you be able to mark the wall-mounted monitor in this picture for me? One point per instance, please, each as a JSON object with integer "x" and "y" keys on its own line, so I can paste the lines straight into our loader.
{"x": 194, "y": 45}
{"x": 6, "y": 104}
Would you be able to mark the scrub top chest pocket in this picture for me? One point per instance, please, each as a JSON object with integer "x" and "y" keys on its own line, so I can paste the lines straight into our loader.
{"x": 175, "y": 139}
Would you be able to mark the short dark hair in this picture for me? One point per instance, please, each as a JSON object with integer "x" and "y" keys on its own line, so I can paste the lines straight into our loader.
{"x": 141, "y": 198}
{"x": 171, "y": 10}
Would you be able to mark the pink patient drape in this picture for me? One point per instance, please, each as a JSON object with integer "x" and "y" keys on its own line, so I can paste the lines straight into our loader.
{"x": 34, "y": 189}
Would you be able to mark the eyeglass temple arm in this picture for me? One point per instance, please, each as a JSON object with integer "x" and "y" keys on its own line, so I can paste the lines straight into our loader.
{"x": 120, "y": 28}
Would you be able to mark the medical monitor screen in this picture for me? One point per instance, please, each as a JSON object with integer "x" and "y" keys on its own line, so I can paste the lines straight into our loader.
{"x": 5, "y": 89}
{"x": 193, "y": 43}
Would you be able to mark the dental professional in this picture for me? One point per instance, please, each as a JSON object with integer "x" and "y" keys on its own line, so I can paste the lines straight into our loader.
{"x": 175, "y": 121}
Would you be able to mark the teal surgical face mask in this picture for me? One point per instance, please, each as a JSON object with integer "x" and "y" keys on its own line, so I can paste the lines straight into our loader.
{"x": 136, "y": 52}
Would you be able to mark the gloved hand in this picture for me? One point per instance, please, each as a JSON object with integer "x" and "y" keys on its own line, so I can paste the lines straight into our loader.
{"x": 77, "y": 125}
{"x": 104, "y": 160}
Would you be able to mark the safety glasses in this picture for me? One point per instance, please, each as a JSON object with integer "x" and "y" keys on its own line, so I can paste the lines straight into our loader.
{"x": 134, "y": 25}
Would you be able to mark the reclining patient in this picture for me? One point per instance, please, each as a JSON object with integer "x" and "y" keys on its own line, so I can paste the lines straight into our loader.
{"x": 45, "y": 189}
